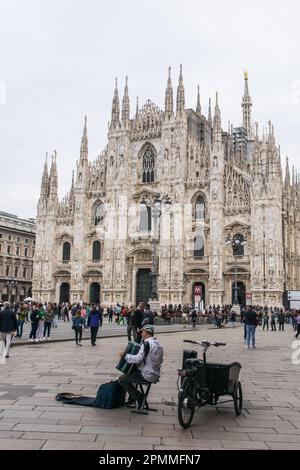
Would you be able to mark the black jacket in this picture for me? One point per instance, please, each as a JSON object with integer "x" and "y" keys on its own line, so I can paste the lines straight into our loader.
{"x": 8, "y": 321}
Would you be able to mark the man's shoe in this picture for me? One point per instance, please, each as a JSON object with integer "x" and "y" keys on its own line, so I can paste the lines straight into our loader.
{"x": 130, "y": 403}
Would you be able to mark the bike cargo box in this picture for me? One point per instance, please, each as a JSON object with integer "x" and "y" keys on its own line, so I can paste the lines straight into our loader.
{"x": 222, "y": 377}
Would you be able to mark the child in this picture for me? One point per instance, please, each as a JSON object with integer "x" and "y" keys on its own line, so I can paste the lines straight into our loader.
{"x": 78, "y": 323}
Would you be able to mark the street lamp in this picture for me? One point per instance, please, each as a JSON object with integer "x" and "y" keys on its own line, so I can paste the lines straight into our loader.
{"x": 156, "y": 208}
{"x": 235, "y": 242}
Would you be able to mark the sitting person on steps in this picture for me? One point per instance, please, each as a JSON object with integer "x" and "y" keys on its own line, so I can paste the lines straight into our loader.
{"x": 149, "y": 360}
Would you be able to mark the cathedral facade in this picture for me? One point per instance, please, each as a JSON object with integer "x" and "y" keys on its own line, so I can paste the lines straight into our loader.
{"x": 114, "y": 227}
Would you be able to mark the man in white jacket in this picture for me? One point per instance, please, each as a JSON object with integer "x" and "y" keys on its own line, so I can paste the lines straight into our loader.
{"x": 149, "y": 360}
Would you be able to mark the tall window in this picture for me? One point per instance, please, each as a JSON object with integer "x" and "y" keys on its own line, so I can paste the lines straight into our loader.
{"x": 198, "y": 246}
{"x": 99, "y": 214}
{"x": 145, "y": 219}
{"x": 239, "y": 251}
{"x": 66, "y": 251}
{"x": 16, "y": 272}
{"x": 96, "y": 251}
{"x": 26, "y": 251}
{"x": 148, "y": 165}
{"x": 8, "y": 249}
{"x": 200, "y": 208}
{"x": 7, "y": 271}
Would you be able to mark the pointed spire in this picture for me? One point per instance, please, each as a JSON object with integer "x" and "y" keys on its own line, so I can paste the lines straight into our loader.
{"x": 45, "y": 179}
{"x": 137, "y": 108}
{"x": 256, "y": 130}
{"x": 115, "y": 112}
{"x": 180, "y": 102}
{"x": 293, "y": 176}
{"x": 198, "y": 107}
{"x": 169, "y": 97}
{"x": 84, "y": 143}
{"x": 53, "y": 185}
{"x": 217, "y": 116}
{"x": 247, "y": 105}
{"x": 209, "y": 118}
{"x": 125, "y": 103}
{"x": 217, "y": 130}
{"x": 287, "y": 173}
{"x": 72, "y": 187}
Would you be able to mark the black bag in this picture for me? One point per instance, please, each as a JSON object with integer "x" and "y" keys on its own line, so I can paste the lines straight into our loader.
{"x": 110, "y": 395}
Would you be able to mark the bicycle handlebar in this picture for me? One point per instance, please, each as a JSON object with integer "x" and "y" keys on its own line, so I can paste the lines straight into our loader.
{"x": 204, "y": 342}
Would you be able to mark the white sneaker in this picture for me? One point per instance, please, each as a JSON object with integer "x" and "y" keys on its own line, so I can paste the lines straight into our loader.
{"x": 44, "y": 338}
{"x": 36, "y": 340}
{"x": 48, "y": 338}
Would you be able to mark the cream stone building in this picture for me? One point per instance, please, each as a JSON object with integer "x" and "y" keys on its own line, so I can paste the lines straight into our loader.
{"x": 97, "y": 243}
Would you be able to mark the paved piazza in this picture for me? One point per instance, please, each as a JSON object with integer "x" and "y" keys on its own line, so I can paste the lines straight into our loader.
{"x": 30, "y": 418}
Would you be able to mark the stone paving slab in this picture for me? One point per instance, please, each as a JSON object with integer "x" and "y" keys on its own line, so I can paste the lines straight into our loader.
{"x": 32, "y": 419}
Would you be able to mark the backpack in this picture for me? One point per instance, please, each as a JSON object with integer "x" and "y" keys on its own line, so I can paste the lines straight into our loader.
{"x": 110, "y": 395}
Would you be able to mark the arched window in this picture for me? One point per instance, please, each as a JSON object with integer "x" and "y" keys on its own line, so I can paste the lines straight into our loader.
{"x": 96, "y": 251}
{"x": 198, "y": 246}
{"x": 148, "y": 165}
{"x": 200, "y": 208}
{"x": 145, "y": 219}
{"x": 238, "y": 248}
{"x": 99, "y": 214}
{"x": 66, "y": 251}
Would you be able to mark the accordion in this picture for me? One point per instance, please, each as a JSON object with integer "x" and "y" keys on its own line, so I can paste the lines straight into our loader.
{"x": 123, "y": 365}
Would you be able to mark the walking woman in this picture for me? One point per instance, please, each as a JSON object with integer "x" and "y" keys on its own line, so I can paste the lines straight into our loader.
{"x": 78, "y": 322}
{"x": 94, "y": 321}
{"x": 49, "y": 317}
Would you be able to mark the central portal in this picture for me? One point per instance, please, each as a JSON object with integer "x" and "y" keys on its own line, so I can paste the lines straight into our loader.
{"x": 95, "y": 293}
{"x": 143, "y": 285}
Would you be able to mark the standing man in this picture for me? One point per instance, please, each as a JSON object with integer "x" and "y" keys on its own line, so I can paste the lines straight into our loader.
{"x": 8, "y": 327}
{"x": 250, "y": 322}
{"x": 281, "y": 320}
{"x": 94, "y": 321}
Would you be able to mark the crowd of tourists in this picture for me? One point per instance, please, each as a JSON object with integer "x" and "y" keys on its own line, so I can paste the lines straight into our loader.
{"x": 44, "y": 316}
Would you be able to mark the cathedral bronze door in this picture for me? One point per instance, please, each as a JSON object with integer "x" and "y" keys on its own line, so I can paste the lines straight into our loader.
{"x": 64, "y": 293}
{"x": 143, "y": 285}
{"x": 95, "y": 293}
{"x": 241, "y": 293}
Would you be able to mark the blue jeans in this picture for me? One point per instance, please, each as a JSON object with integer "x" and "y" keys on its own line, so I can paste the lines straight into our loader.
{"x": 20, "y": 328}
{"x": 250, "y": 329}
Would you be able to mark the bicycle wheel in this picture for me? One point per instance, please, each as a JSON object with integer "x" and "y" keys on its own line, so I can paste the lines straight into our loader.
{"x": 186, "y": 403}
{"x": 238, "y": 398}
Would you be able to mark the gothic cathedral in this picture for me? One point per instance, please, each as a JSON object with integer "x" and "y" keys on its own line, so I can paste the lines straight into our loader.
{"x": 103, "y": 240}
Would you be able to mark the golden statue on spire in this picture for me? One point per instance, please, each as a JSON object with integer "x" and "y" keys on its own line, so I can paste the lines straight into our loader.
{"x": 245, "y": 74}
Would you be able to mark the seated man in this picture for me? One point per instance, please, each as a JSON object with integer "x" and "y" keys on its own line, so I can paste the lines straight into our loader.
{"x": 149, "y": 360}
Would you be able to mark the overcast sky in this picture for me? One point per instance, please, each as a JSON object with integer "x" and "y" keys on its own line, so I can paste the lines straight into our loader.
{"x": 58, "y": 60}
